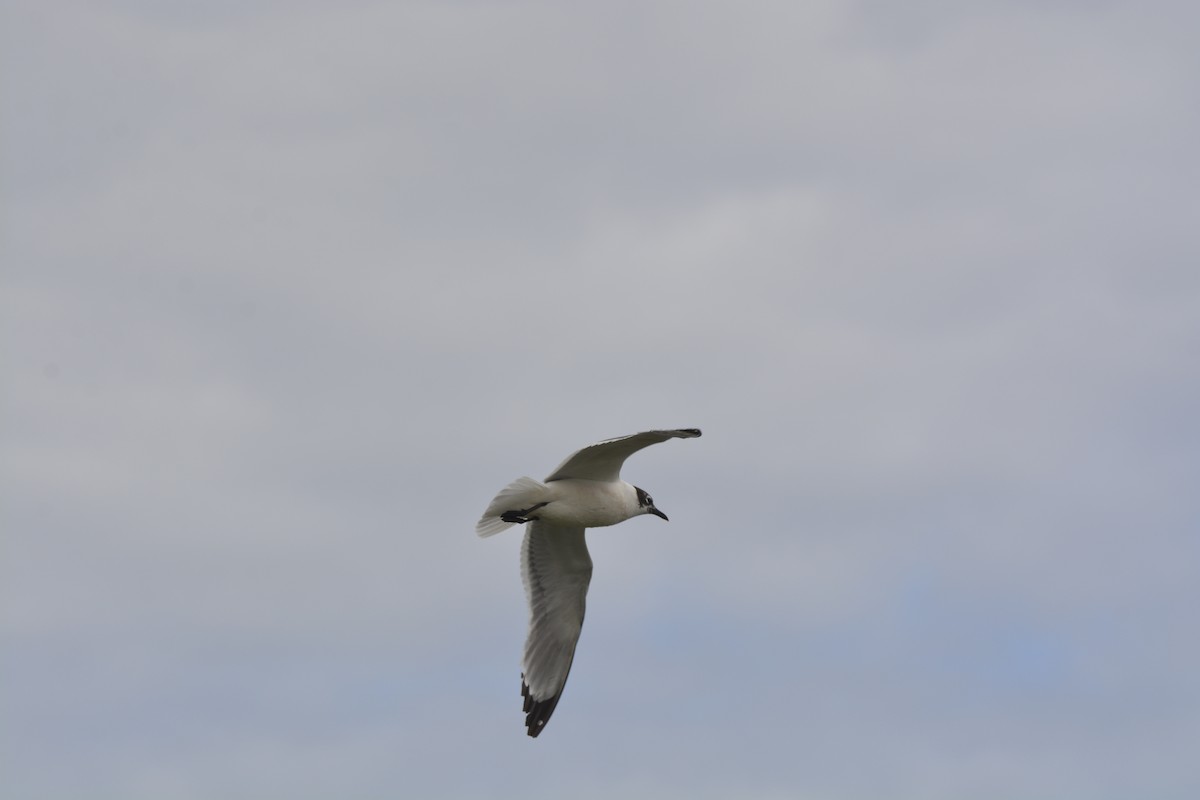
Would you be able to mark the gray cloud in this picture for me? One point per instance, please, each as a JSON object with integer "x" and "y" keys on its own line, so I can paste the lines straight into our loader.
{"x": 290, "y": 291}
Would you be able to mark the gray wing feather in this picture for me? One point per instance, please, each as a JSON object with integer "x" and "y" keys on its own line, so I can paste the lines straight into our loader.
{"x": 602, "y": 461}
{"x": 556, "y": 570}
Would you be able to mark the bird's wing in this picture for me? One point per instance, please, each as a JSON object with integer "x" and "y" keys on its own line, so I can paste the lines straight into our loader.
{"x": 602, "y": 461}
{"x": 556, "y": 570}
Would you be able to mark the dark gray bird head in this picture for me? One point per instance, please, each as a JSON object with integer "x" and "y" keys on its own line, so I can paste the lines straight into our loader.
{"x": 646, "y": 502}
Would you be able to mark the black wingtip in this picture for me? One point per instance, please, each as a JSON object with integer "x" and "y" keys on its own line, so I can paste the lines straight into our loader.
{"x": 690, "y": 431}
{"x": 537, "y": 712}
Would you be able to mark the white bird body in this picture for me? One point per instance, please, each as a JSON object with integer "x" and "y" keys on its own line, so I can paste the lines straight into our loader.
{"x": 572, "y": 502}
{"x": 585, "y": 491}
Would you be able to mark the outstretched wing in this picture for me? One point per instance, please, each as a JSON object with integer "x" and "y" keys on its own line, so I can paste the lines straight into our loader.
{"x": 556, "y": 570}
{"x": 602, "y": 461}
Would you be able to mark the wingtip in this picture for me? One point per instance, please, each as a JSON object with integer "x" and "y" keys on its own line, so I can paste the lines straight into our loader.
{"x": 537, "y": 712}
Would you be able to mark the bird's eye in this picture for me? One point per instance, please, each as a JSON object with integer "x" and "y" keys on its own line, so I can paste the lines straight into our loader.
{"x": 649, "y": 500}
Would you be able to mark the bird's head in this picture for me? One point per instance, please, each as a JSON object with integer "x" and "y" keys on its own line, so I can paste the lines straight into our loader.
{"x": 646, "y": 504}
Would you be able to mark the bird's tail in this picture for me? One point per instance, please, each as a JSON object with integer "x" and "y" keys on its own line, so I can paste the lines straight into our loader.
{"x": 521, "y": 493}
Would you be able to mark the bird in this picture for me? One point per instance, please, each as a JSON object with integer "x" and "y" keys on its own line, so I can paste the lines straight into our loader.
{"x": 584, "y": 491}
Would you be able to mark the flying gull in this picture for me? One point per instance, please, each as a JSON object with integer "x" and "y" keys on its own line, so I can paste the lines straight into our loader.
{"x": 585, "y": 491}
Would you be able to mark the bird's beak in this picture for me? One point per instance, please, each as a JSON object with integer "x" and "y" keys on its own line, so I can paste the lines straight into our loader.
{"x": 656, "y": 513}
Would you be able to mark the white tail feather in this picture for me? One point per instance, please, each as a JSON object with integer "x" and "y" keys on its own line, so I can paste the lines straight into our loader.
{"x": 521, "y": 493}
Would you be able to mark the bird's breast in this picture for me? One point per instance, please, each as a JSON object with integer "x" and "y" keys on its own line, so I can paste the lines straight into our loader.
{"x": 590, "y": 504}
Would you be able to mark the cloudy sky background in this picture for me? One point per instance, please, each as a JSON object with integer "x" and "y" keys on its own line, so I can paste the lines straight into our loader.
{"x": 290, "y": 290}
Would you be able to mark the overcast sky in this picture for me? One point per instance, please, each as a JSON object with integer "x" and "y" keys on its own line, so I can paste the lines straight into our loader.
{"x": 291, "y": 289}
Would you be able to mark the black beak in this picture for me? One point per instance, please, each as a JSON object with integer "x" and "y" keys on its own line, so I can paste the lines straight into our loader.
{"x": 656, "y": 512}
